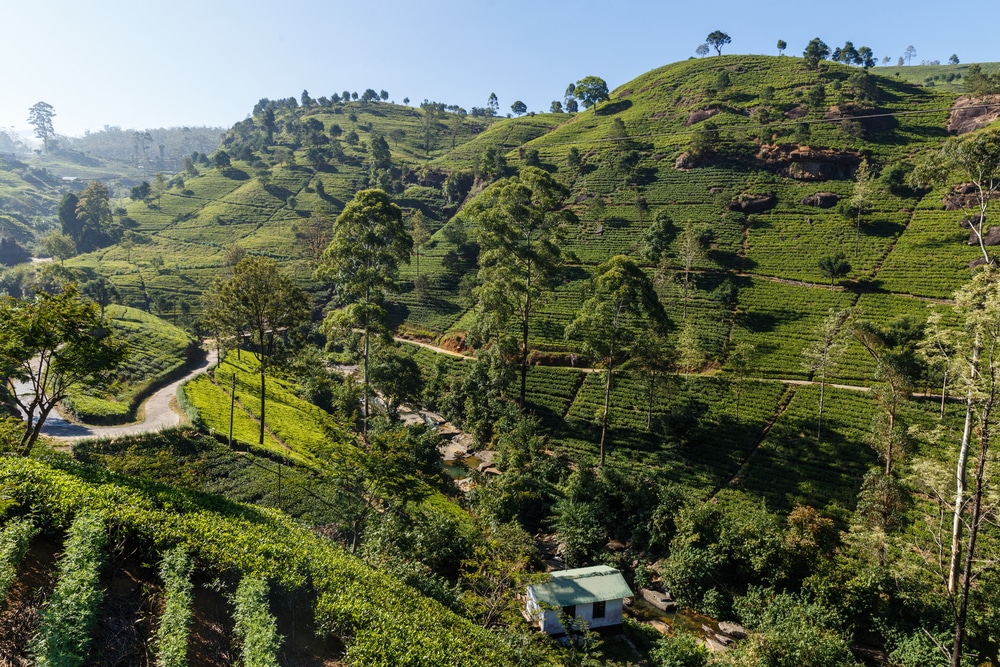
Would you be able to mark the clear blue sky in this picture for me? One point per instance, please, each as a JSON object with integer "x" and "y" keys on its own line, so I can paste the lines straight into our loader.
{"x": 183, "y": 62}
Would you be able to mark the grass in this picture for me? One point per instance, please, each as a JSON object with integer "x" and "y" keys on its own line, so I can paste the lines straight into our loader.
{"x": 158, "y": 350}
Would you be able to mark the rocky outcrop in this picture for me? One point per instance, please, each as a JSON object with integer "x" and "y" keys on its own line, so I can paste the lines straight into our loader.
{"x": 683, "y": 161}
{"x": 699, "y": 115}
{"x": 964, "y": 196}
{"x": 969, "y": 114}
{"x": 808, "y": 164}
{"x": 753, "y": 203}
{"x": 821, "y": 200}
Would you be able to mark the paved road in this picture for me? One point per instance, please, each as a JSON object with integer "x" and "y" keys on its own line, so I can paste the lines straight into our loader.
{"x": 157, "y": 413}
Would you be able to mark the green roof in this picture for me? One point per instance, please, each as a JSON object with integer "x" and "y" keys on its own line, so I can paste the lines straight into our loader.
{"x": 584, "y": 585}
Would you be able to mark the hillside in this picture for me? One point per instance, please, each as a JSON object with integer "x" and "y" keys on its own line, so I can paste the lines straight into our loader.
{"x": 789, "y": 445}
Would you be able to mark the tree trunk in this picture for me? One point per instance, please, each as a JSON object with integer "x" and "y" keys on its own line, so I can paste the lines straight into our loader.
{"x": 970, "y": 552}
{"x": 262, "y": 401}
{"x": 944, "y": 390}
{"x": 822, "y": 391}
{"x": 963, "y": 455}
{"x": 364, "y": 424}
{"x": 607, "y": 402}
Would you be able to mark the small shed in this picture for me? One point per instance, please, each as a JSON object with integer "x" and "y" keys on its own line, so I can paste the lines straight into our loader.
{"x": 594, "y": 594}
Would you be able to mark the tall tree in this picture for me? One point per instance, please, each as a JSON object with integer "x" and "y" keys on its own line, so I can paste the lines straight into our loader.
{"x": 260, "y": 307}
{"x": 362, "y": 264}
{"x": 591, "y": 90}
{"x": 975, "y": 367}
{"x": 420, "y": 235}
{"x": 94, "y": 218}
{"x": 971, "y": 158}
{"x": 692, "y": 251}
{"x": 717, "y": 39}
{"x": 50, "y": 345}
{"x": 861, "y": 198}
{"x": 822, "y": 353}
{"x": 815, "y": 51}
{"x": 519, "y": 255}
{"x": 741, "y": 364}
{"x": 40, "y": 116}
{"x": 620, "y": 311}
{"x": 782, "y": 45}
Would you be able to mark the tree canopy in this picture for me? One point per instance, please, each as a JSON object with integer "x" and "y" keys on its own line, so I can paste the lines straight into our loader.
{"x": 590, "y": 90}
{"x": 717, "y": 39}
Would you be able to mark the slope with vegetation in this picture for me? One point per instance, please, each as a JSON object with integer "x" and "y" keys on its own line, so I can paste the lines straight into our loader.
{"x": 784, "y": 223}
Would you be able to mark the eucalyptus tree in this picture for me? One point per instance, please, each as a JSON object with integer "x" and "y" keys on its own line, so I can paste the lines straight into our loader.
{"x": 361, "y": 263}
{"x": 259, "y": 307}
{"x": 823, "y": 353}
{"x": 519, "y": 220}
{"x": 973, "y": 359}
{"x": 622, "y": 310}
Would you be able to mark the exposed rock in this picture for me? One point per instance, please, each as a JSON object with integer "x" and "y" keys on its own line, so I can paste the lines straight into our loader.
{"x": 964, "y": 196}
{"x": 661, "y": 601}
{"x": 821, "y": 200}
{"x": 969, "y": 114}
{"x": 980, "y": 262}
{"x": 734, "y": 630}
{"x": 683, "y": 161}
{"x": 699, "y": 115}
{"x": 808, "y": 164}
{"x": 796, "y": 112}
{"x": 991, "y": 238}
{"x": 753, "y": 203}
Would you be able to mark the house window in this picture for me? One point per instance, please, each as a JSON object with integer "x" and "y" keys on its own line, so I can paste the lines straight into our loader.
{"x": 598, "y": 610}
{"x": 570, "y": 610}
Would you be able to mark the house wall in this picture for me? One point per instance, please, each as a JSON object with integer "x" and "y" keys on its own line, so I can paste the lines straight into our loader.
{"x": 548, "y": 620}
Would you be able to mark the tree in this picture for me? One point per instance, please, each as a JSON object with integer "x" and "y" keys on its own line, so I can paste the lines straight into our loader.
{"x": 40, "y": 116}
{"x": 101, "y": 291}
{"x": 519, "y": 257}
{"x": 362, "y": 265}
{"x": 822, "y": 353}
{"x": 953, "y": 59}
{"x": 258, "y": 306}
{"x": 910, "y": 53}
{"x": 834, "y": 266}
{"x": 717, "y": 39}
{"x": 815, "y": 51}
{"x": 397, "y": 378}
{"x": 741, "y": 364}
{"x": 866, "y": 58}
{"x": 572, "y": 106}
{"x": 972, "y": 158}
{"x": 519, "y": 108}
{"x": 140, "y": 192}
{"x": 653, "y": 357}
{"x": 975, "y": 365}
{"x": 60, "y": 246}
{"x": 48, "y": 346}
{"x": 492, "y": 106}
{"x": 692, "y": 250}
{"x": 892, "y": 351}
{"x": 590, "y": 90}
{"x": 702, "y": 50}
{"x": 621, "y": 308}
{"x": 860, "y": 200}
{"x": 782, "y": 45}
{"x": 420, "y": 235}
{"x": 556, "y": 107}
{"x": 94, "y": 218}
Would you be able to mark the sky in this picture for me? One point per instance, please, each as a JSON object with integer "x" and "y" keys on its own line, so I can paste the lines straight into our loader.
{"x": 137, "y": 64}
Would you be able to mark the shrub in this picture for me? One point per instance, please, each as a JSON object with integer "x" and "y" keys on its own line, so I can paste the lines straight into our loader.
{"x": 255, "y": 626}
{"x": 171, "y": 636}
{"x": 63, "y": 637}
{"x": 14, "y": 541}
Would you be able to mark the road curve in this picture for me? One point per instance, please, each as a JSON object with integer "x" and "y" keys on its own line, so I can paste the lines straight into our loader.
{"x": 157, "y": 413}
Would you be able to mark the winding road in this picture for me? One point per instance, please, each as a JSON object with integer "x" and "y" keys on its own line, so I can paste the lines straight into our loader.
{"x": 158, "y": 414}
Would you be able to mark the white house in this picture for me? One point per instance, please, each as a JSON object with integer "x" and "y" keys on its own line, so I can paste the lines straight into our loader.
{"x": 594, "y": 594}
